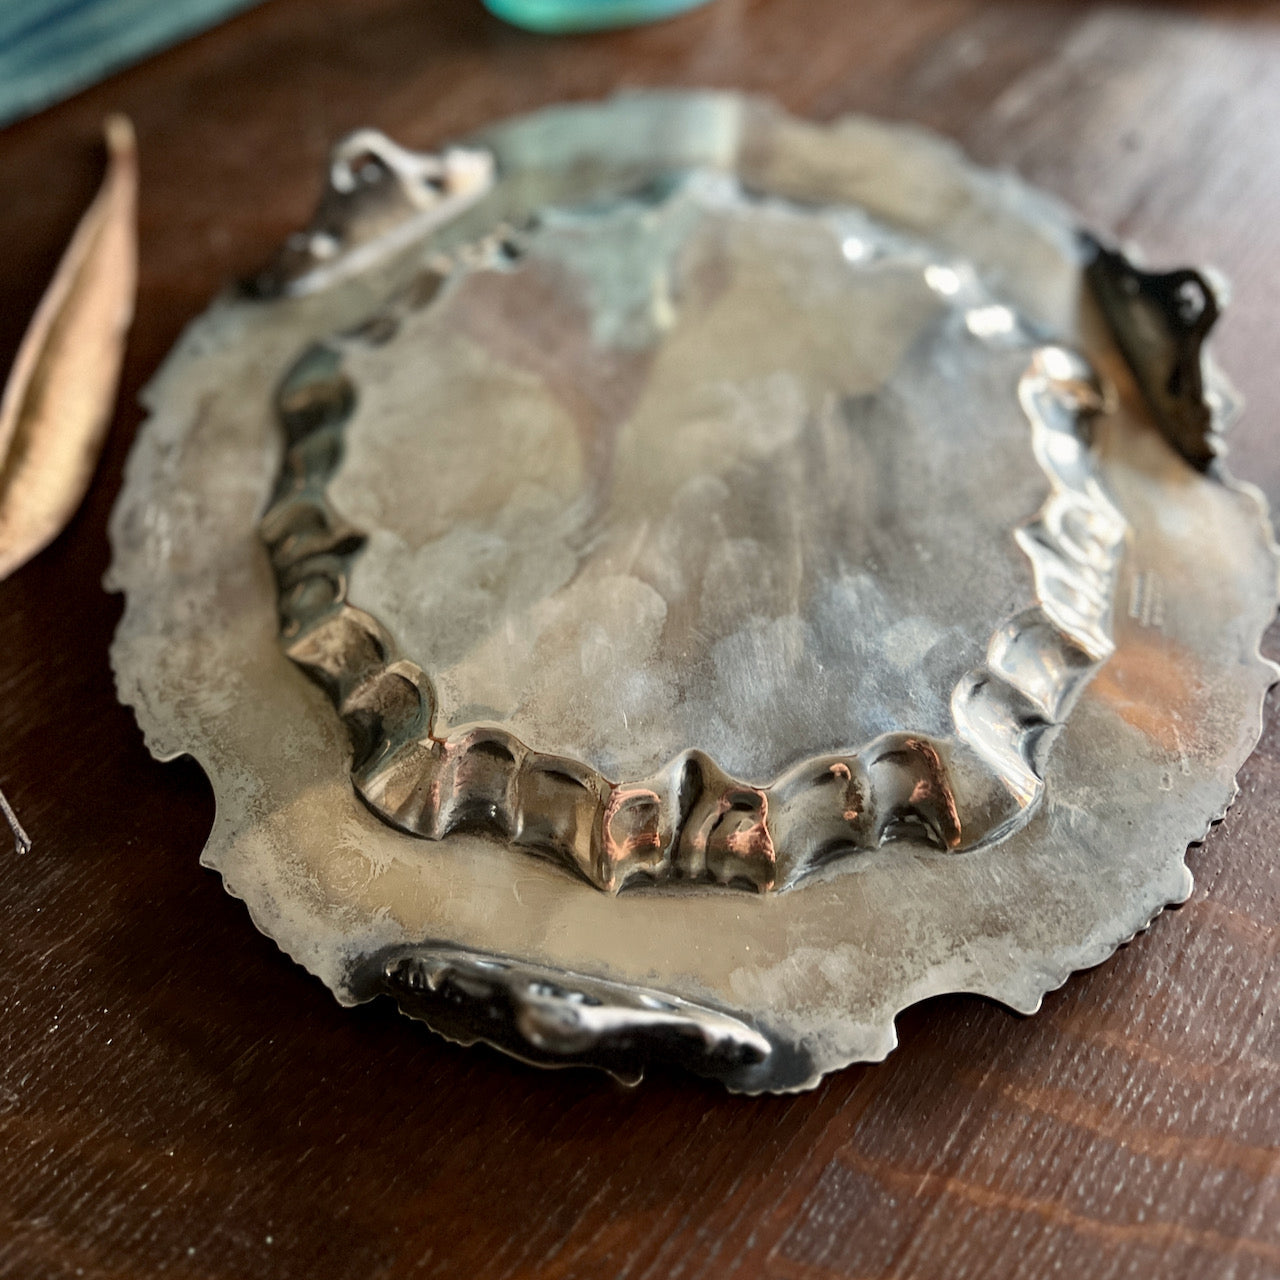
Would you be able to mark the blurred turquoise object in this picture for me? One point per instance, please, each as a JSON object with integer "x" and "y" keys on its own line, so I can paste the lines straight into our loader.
{"x": 52, "y": 48}
{"x": 586, "y": 15}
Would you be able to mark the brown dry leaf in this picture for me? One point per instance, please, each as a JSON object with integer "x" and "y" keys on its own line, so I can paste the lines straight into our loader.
{"x": 58, "y": 401}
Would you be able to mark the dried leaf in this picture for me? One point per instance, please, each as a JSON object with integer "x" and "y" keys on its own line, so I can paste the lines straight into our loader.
{"x": 60, "y": 394}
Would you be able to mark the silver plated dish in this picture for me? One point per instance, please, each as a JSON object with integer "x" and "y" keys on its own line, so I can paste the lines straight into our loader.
{"x": 665, "y": 581}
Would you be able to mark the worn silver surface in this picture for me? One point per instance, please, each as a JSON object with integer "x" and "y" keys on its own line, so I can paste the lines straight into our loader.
{"x": 705, "y": 501}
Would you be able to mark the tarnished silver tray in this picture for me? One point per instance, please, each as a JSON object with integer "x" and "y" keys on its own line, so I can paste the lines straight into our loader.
{"x": 666, "y": 581}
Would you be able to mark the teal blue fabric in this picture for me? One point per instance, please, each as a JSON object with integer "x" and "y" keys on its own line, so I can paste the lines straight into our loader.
{"x": 51, "y": 48}
{"x": 557, "y": 16}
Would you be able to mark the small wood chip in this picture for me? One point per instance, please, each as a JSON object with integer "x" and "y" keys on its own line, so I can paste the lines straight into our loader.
{"x": 59, "y": 398}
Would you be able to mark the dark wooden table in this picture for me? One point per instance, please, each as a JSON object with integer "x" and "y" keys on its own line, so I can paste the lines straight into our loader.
{"x": 177, "y": 1099}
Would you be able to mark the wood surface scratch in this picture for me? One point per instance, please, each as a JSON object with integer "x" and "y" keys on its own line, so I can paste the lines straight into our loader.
{"x": 21, "y": 841}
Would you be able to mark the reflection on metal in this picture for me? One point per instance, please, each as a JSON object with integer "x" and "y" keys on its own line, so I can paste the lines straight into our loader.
{"x": 553, "y": 1018}
{"x": 379, "y": 197}
{"x": 691, "y": 822}
{"x": 706, "y": 500}
{"x": 1160, "y": 321}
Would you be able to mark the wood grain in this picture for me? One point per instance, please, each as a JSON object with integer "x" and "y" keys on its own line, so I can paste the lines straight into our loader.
{"x": 177, "y": 1099}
